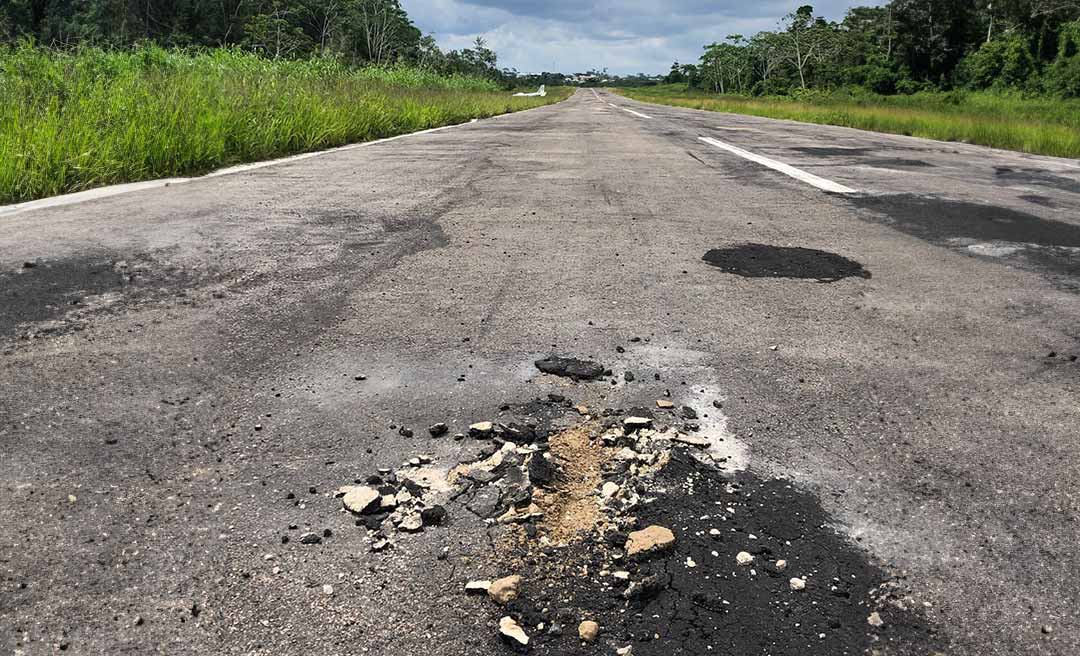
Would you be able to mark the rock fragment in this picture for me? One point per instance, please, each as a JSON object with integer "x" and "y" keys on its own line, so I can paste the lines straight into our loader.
{"x": 570, "y": 368}
{"x": 797, "y": 584}
{"x": 664, "y": 404}
{"x": 438, "y": 430}
{"x": 481, "y": 429}
{"x": 505, "y": 590}
{"x": 477, "y": 587}
{"x": 744, "y": 558}
{"x": 433, "y": 515}
{"x": 649, "y": 540}
{"x": 588, "y": 630}
{"x": 631, "y": 424}
{"x": 541, "y": 471}
{"x": 512, "y": 632}
{"x": 361, "y": 500}
{"x": 310, "y": 538}
{"x": 875, "y": 620}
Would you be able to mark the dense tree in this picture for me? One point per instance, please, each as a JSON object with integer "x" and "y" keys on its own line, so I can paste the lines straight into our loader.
{"x": 904, "y": 46}
{"x": 359, "y": 31}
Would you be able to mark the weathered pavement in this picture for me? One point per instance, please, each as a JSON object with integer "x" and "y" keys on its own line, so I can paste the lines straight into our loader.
{"x": 180, "y": 361}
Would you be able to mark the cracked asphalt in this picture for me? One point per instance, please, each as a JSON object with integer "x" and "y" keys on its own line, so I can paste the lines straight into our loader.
{"x": 188, "y": 372}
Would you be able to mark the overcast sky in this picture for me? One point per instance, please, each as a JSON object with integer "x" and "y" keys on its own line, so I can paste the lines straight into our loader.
{"x": 626, "y": 36}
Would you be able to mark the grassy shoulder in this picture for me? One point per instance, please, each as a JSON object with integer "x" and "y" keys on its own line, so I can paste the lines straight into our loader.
{"x": 1044, "y": 126}
{"x": 73, "y": 121}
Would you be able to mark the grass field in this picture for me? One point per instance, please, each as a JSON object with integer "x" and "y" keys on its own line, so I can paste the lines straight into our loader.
{"x": 72, "y": 121}
{"x": 1045, "y": 126}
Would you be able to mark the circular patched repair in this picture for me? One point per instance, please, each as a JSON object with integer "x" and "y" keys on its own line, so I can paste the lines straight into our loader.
{"x": 764, "y": 261}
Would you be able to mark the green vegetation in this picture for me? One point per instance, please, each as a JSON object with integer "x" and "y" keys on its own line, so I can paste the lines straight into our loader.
{"x": 902, "y": 47}
{"x": 1004, "y": 73}
{"x": 72, "y": 121}
{"x": 1046, "y": 126}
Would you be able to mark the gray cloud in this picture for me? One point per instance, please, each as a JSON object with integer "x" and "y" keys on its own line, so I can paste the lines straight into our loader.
{"x": 626, "y": 36}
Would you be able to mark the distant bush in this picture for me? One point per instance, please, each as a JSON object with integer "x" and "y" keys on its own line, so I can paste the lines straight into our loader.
{"x": 1064, "y": 76}
{"x": 1003, "y": 62}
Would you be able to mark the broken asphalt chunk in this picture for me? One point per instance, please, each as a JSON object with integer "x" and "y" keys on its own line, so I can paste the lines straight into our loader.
{"x": 570, "y": 368}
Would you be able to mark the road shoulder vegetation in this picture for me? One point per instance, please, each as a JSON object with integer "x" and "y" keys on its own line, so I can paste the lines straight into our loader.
{"x": 1044, "y": 126}
{"x": 74, "y": 121}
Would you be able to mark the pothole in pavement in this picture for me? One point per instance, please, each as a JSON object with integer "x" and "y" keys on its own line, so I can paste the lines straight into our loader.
{"x": 619, "y": 527}
{"x": 764, "y": 261}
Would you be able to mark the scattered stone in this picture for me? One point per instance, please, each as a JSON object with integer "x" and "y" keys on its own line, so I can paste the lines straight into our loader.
{"x": 631, "y": 424}
{"x": 588, "y": 630}
{"x": 744, "y": 558}
{"x": 693, "y": 440}
{"x": 541, "y": 471}
{"x": 411, "y": 523}
{"x": 512, "y": 632}
{"x": 505, "y": 590}
{"x": 649, "y": 540}
{"x": 625, "y": 651}
{"x": 477, "y": 587}
{"x": 328, "y": 590}
{"x": 629, "y": 377}
{"x": 1047, "y": 629}
{"x": 361, "y": 500}
{"x": 797, "y": 584}
{"x": 405, "y": 432}
{"x": 481, "y": 429}
{"x": 433, "y": 516}
{"x": 645, "y": 589}
{"x": 781, "y": 565}
{"x": 438, "y": 430}
{"x": 380, "y": 545}
{"x": 688, "y": 412}
{"x": 609, "y": 489}
{"x": 582, "y": 410}
{"x": 664, "y": 404}
{"x": 570, "y": 368}
{"x": 310, "y": 538}
{"x": 875, "y": 620}
{"x": 360, "y": 377}
{"x": 717, "y": 404}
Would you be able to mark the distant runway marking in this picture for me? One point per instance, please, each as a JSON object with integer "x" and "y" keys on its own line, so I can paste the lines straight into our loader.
{"x": 630, "y": 111}
{"x": 798, "y": 174}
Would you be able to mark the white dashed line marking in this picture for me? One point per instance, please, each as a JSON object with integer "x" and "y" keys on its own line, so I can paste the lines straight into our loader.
{"x": 630, "y": 111}
{"x": 786, "y": 169}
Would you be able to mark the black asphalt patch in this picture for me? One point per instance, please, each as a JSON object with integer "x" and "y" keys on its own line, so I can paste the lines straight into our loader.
{"x": 896, "y": 163}
{"x": 833, "y": 152}
{"x": 1039, "y": 177}
{"x": 1042, "y": 201}
{"x": 48, "y": 290}
{"x": 763, "y": 261}
{"x": 938, "y": 219}
{"x": 696, "y": 599}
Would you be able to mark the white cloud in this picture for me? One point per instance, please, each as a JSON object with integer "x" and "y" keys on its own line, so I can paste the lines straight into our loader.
{"x": 626, "y": 36}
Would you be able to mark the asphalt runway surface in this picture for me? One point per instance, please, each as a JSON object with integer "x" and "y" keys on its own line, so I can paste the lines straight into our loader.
{"x": 876, "y": 337}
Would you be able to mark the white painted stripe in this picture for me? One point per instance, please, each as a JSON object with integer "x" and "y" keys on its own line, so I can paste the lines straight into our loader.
{"x": 635, "y": 113}
{"x": 798, "y": 174}
{"x": 130, "y": 187}
{"x": 630, "y": 110}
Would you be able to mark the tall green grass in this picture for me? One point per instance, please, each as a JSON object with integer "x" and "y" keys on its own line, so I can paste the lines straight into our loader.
{"x": 1045, "y": 126}
{"x": 72, "y": 121}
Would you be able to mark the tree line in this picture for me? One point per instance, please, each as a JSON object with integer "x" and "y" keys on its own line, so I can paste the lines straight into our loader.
{"x": 359, "y": 31}
{"x": 905, "y": 46}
